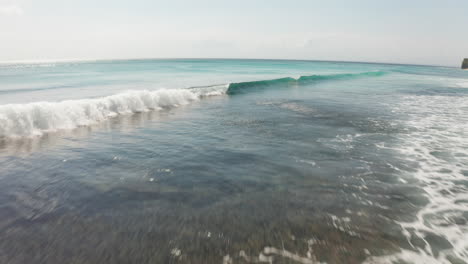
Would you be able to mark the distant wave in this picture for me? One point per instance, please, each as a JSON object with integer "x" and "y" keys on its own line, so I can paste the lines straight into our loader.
{"x": 35, "y": 119}
{"x": 243, "y": 87}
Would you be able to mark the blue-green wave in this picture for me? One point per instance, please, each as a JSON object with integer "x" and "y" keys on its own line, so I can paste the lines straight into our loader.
{"x": 244, "y": 87}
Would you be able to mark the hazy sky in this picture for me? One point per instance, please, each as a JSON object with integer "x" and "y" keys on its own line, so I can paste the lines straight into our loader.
{"x": 401, "y": 31}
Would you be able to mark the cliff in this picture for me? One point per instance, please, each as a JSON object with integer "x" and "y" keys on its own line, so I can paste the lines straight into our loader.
{"x": 465, "y": 64}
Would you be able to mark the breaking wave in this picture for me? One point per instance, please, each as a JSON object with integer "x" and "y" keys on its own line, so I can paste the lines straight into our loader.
{"x": 35, "y": 119}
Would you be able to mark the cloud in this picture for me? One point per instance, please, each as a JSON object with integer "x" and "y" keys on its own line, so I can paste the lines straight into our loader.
{"x": 11, "y": 10}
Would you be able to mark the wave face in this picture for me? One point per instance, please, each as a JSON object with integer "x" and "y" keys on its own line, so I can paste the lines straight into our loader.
{"x": 35, "y": 119}
{"x": 244, "y": 87}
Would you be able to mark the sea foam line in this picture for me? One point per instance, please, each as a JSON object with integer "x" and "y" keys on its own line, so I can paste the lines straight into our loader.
{"x": 439, "y": 144}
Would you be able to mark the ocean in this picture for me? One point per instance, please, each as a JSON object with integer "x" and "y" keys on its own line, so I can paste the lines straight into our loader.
{"x": 232, "y": 161}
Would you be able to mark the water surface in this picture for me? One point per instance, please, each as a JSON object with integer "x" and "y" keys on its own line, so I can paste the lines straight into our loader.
{"x": 233, "y": 161}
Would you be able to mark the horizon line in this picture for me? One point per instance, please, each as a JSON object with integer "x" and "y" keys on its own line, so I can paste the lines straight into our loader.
{"x": 6, "y": 62}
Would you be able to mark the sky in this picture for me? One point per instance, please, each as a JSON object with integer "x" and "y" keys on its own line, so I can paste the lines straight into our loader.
{"x": 431, "y": 32}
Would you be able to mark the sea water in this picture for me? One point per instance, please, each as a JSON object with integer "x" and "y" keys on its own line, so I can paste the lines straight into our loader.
{"x": 232, "y": 161}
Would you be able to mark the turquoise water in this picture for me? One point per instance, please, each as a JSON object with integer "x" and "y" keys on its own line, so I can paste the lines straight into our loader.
{"x": 233, "y": 161}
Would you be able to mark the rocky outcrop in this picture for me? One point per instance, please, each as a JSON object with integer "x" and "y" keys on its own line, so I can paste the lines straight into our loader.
{"x": 465, "y": 64}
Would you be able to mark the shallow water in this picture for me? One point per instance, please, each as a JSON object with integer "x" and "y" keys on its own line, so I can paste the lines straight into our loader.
{"x": 361, "y": 163}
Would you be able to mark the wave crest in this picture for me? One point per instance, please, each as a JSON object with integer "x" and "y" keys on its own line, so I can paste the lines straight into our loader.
{"x": 35, "y": 119}
{"x": 243, "y": 87}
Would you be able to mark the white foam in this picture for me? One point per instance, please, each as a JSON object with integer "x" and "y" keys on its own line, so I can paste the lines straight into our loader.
{"x": 268, "y": 256}
{"x": 35, "y": 119}
{"x": 438, "y": 142}
{"x": 462, "y": 84}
